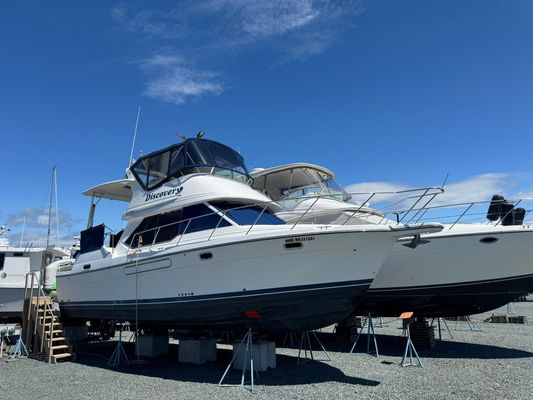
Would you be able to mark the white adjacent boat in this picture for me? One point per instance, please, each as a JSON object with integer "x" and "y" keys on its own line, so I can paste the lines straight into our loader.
{"x": 15, "y": 263}
{"x": 466, "y": 268}
{"x": 202, "y": 249}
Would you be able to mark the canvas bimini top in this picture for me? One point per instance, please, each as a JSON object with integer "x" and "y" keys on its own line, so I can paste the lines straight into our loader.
{"x": 191, "y": 156}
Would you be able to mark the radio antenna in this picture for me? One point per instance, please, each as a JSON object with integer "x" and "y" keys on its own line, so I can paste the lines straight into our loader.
{"x": 134, "y": 135}
{"x": 445, "y": 180}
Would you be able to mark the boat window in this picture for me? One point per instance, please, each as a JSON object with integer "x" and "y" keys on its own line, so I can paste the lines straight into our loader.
{"x": 177, "y": 161}
{"x": 157, "y": 169}
{"x": 191, "y": 156}
{"x": 248, "y": 215}
{"x": 164, "y": 227}
{"x": 205, "y": 219}
{"x": 18, "y": 254}
{"x": 2, "y": 260}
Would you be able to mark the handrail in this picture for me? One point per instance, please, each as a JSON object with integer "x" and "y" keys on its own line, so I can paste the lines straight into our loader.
{"x": 418, "y": 207}
{"x": 48, "y": 311}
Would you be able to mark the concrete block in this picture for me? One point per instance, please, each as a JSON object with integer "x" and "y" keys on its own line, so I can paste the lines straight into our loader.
{"x": 264, "y": 355}
{"x": 197, "y": 351}
{"x": 150, "y": 345}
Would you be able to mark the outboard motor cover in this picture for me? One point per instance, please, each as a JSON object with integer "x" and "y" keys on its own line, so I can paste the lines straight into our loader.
{"x": 519, "y": 215}
{"x": 495, "y": 207}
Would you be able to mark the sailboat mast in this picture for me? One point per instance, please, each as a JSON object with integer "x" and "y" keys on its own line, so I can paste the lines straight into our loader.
{"x": 57, "y": 208}
{"x": 50, "y": 208}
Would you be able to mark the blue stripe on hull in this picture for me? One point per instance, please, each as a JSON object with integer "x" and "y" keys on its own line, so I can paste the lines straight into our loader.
{"x": 451, "y": 300}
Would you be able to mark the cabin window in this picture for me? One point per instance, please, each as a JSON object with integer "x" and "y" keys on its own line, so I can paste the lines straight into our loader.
{"x": 248, "y": 215}
{"x": 2, "y": 260}
{"x": 164, "y": 227}
{"x": 206, "y": 219}
{"x": 18, "y": 254}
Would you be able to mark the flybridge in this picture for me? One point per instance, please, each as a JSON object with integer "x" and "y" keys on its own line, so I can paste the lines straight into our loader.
{"x": 188, "y": 157}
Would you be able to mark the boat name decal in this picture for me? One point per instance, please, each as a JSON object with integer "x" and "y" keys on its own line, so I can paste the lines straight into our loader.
{"x": 163, "y": 193}
{"x": 300, "y": 239}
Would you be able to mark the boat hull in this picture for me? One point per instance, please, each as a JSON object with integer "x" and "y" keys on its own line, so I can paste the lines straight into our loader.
{"x": 295, "y": 309}
{"x": 257, "y": 283}
{"x": 454, "y": 275}
{"x": 11, "y": 302}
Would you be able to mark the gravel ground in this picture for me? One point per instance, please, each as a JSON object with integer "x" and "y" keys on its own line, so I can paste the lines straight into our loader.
{"x": 495, "y": 363}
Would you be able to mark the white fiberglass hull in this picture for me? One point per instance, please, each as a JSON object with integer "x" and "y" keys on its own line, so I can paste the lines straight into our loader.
{"x": 460, "y": 271}
{"x": 11, "y": 302}
{"x": 289, "y": 280}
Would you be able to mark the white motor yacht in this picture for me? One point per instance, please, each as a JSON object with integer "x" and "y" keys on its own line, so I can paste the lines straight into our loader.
{"x": 464, "y": 269}
{"x": 15, "y": 263}
{"x": 202, "y": 249}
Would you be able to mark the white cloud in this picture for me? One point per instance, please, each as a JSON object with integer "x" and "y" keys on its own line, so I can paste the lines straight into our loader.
{"x": 173, "y": 81}
{"x": 34, "y": 222}
{"x": 206, "y": 31}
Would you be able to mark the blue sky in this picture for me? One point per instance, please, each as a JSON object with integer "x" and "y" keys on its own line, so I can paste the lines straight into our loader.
{"x": 385, "y": 93}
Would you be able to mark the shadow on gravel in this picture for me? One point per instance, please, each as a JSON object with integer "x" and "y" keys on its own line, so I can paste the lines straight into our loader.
{"x": 287, "y": 372}
{"x": 392, "y": 345}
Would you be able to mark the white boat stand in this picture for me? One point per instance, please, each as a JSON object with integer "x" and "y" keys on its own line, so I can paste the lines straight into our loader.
{"x": 369, "y": 335}
{"x": 248, "y": 357}
{"x": 306, "y": 346}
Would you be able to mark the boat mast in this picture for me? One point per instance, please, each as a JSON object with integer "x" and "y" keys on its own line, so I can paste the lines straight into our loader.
{"x": 57, "y": 208}
{"x": 22, "y": 233}
{"x": 50, "y": 207}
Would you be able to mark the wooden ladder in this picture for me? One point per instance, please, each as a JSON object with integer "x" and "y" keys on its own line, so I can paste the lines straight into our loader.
{"x": 43, "y": 331}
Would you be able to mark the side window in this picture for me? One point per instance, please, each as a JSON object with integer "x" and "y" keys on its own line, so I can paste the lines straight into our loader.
{"x": 247, "y": 215}
{"x": 2, "y": 260}
{"x": 203, "y": 218}
{"x": 165, "y": 226}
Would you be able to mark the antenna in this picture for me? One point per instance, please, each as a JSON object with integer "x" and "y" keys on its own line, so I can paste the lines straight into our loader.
{"x": 445, "y": 180}
{"x": 134, "y": 135}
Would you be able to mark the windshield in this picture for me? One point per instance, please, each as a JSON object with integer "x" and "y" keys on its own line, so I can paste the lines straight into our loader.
{"x": 189, "y": 157}
{"x": 300, "y": 182}
{"x": 248, "y": 215}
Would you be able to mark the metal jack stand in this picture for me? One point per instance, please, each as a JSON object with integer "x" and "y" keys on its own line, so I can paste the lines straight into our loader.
{"x": 249, "y": 351}
{"x": 471, "y": 324}
{"x": 290, "y": 339}
{"x": 382, "y": 323}
{"x": 306, "y": 341}
{"x": 119, "y": 355}
{"x": 370, "y": 333}
{"x": 439, "y": 328}
{"x": 410, "y": 348}
{"x": 19, "y": 351}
